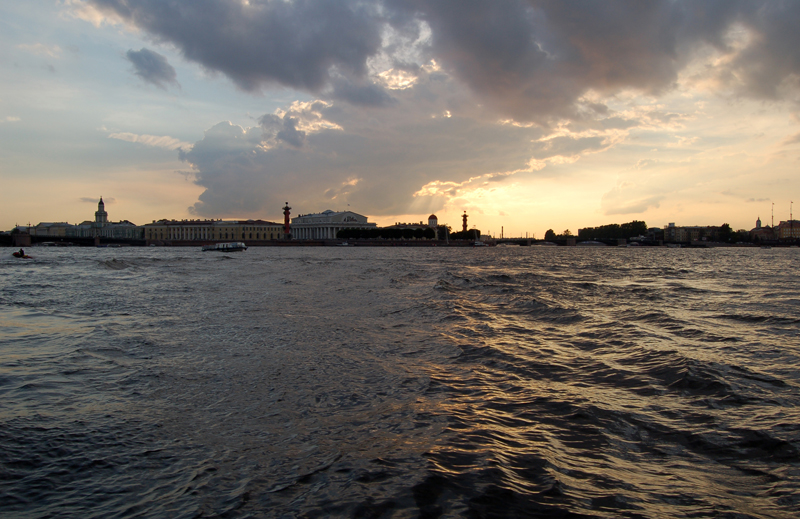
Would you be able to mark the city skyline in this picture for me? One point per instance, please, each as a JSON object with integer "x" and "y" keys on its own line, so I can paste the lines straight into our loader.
{"x": 528, "y": 115}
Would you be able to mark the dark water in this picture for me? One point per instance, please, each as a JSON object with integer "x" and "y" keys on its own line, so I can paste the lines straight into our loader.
{"x": 347, "y": 382}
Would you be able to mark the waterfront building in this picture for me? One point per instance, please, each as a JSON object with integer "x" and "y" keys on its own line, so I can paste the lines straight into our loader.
{"x": 689, "y": 233}
{"x": 101, "y": 216}
{"x": 57, "y": 229}
{"x": 433, "y": 223}
{"x": 121, "y": 230}
{"x": 762, "y": 233}
{"x": 103, "y": 228}
{"x": 177, "y": 232}
{"x": 789, "y": 229}
{"x": 413, "y": 226}
{"x": 325, "y": 225}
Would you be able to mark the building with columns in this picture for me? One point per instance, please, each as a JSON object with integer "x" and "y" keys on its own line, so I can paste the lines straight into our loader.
{"x": 325, "y": 225}
{"x": 191, "y": 232}
{"x": 100, "y": 227}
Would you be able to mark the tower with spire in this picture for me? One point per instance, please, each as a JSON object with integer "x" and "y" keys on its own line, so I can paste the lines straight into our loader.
{"x": 101, "y": 216}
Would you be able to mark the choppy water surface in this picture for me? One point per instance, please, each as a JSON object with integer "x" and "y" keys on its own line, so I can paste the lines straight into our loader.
{"x": 392, "y": 382}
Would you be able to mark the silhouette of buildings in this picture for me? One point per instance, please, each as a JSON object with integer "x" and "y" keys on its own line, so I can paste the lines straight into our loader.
{"x": 184, "y": 232}
{"x": 325, "y": 225}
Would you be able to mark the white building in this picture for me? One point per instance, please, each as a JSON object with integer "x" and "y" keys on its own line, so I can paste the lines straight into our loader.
{"x": 325, "y": 225}
{"x": 102, "y": 227}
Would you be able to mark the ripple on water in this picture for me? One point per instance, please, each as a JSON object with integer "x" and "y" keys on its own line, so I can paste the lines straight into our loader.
{"x": 525, "y": 382}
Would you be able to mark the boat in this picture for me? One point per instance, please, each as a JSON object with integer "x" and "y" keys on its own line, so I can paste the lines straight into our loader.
{"x": 226, "y": 247}
{"x": 21, "y": 256}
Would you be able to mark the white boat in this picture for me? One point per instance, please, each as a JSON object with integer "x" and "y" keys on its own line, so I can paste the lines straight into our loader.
{"x": 226, "y": 247}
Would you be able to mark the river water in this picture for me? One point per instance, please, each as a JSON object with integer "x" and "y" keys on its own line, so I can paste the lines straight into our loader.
{"x": 400, "y": 382}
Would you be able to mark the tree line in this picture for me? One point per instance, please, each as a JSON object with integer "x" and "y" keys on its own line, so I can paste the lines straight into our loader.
{"x": 386, "y": 234}
{"x": 614, "y": 231}
{"x": 427, "y": 233}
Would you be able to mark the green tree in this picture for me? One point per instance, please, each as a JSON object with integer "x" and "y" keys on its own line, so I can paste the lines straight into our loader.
{"x": 550, "y": 235}
{"x": 725, "y": 233}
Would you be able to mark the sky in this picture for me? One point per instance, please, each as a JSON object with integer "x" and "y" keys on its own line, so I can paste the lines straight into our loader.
{"x": 527, "y": 114}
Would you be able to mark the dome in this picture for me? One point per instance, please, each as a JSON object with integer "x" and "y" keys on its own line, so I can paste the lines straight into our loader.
{"x": 432, "y": 217}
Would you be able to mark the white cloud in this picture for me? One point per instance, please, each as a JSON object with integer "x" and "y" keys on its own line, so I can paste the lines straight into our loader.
{"x": 91, "y": 13}
{"x": 158, "y": 141}
{"x": 52, "y": 51}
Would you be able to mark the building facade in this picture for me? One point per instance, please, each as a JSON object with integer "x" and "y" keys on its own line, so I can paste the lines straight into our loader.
{"x": 56, "y": 229}
{"x": 174, "y": 232}
{"x": 760, "y": 233}
{"x": 789, "y": 229}
{"x": 100, "y": 227}
{"x": 687, "y": 234}
{"x": 325, "y": 225}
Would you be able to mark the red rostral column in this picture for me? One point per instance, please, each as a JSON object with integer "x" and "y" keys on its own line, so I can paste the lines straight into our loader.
{"x": 464, "y": 219}
{"x": 287, "y": 230}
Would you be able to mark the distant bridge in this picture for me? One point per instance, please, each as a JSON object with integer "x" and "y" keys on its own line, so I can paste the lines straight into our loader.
{"x": 65, "y": 241}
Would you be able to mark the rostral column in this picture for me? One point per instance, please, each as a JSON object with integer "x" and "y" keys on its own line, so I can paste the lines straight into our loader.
{"x": 287, "y": 230}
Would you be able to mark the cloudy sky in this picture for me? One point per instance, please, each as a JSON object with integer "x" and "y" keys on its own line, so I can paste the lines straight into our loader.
{"x": 529, "y": 115}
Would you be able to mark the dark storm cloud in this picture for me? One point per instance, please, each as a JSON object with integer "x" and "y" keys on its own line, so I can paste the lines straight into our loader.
{"x": 364, "y": 94}
{"x": 152, "y": 67}
{"x": 355, "y": 159}
{"x": 772, "y": 57}
{"x": 284, "y": 129}
{"x": 530, "y": 60}
{"x": 293, "y": 44}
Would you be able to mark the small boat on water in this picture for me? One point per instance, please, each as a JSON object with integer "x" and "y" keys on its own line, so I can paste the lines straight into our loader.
{"x": 21, "y": 256}
{"x": 226, "y": 247}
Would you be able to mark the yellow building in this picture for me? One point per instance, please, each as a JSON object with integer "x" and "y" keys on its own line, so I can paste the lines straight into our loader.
{"x": 189, "y": 232}
{"x": 788, "y": 229}
{"x": 58, "y": 229}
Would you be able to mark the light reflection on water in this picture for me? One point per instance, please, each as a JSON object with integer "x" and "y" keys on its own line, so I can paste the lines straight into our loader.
{"x": 396, "y": 382}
